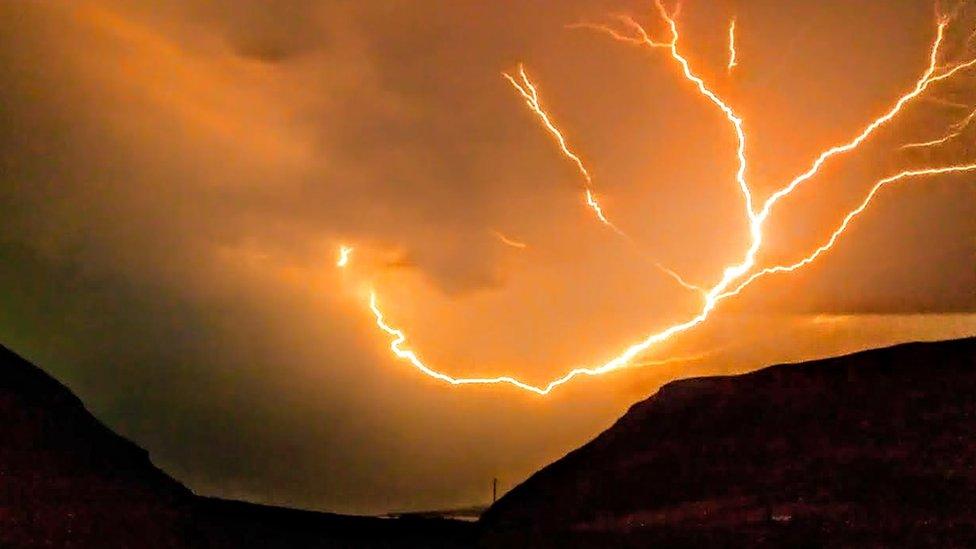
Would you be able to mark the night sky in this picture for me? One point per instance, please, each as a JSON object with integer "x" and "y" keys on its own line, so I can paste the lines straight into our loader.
{"x": 176, "y": 178}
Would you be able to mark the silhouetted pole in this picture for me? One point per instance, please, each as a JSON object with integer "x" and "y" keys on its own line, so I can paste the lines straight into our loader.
{"x": 494, "y": 490}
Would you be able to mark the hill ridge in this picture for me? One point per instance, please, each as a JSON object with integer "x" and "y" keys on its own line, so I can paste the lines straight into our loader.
{"x": 827, "y": 443}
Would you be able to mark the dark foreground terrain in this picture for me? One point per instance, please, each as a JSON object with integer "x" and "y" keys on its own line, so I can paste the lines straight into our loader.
{"x": 66, "y": 480}
{"x": 871, "y": 449}
{"x": 875, "y": 448}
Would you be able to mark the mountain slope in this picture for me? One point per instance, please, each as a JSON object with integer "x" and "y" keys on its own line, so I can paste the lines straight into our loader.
{"x": 66, "y": 480}
{"x": 874, "y": 447}
{"x": 65, "y": 476}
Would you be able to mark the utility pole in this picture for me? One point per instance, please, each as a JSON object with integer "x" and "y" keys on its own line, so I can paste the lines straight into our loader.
{"x": 494, "y": 490}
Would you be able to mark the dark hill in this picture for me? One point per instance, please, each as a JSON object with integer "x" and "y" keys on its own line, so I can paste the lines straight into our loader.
{"x": 875, "y": 448}
{"x": 66, "y": 480}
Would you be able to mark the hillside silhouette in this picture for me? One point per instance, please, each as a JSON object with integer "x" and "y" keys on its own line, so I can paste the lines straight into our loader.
{"x": 66, "y": 480}
{"x": 874, "y": 448}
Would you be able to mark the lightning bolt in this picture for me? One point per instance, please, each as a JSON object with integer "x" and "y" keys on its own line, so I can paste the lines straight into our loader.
{"x": 642, "y": 38}
{"x": 344, "y": 253}
{"x": 732, "y": 60}
{"x": 680, "y": 280}
{"x": 955, "y": 131}
{"x": 928, "y": 78}
{"x": 396, "y": 346}
{"x": 508, "y": 241}
{"x": 823, "y": 248}
{"x": 595, "y": 206}
{"x": 530, "y": 93}
{"x": 736, "y": 277}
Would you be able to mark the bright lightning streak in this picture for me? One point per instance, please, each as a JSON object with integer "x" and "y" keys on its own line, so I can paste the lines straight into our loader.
{"x": 715, "y": 295}
{"x": 847, "y": 221}
{"x": 344, "y": 253}
{"x": 396, "y": 346}
{"x": 927, "y": 78}
{"x": 595, "y": 206}
{"x": 530, "y": 93}
{"x": 524, "y": 86}
{"x": 733, "y": 273}
{"x": 954, "y": 131}
{"x": 680, "y": 280}
{"x": 732, "y": 57}
{"x": 643, "y": 38}
{"x": 509, "y": 242}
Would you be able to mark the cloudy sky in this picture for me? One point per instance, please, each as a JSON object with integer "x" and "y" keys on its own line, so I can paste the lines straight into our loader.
{"x": 176, "y": 177}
